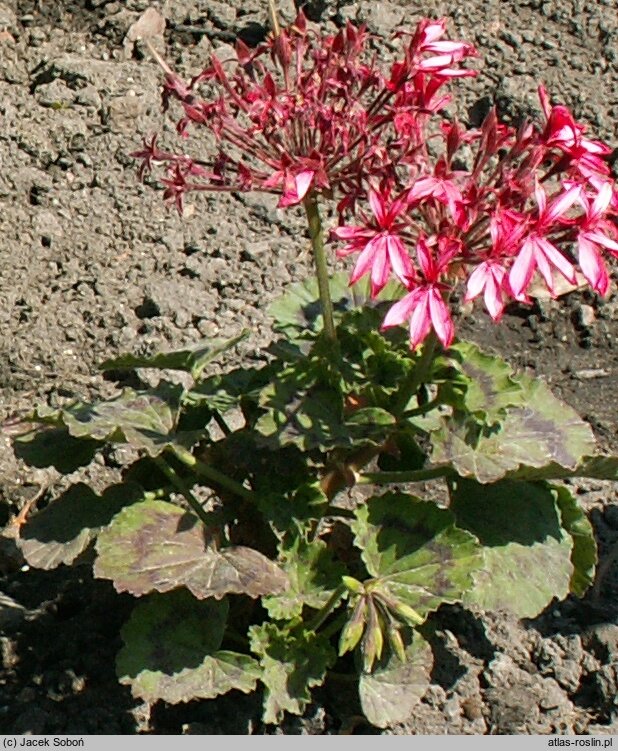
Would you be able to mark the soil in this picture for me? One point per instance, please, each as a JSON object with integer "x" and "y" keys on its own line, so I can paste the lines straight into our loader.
{"x": 92, "y": 264}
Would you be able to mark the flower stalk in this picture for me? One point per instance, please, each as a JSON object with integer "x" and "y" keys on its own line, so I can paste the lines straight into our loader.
{"x": 316, "y": 234}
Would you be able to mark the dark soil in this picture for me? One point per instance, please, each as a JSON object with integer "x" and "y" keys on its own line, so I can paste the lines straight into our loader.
{"x": 92, "y": 265}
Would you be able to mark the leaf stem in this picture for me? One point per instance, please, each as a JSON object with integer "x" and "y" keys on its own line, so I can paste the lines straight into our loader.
{"x": 210, "y": 473}
{"x": 315, "y": 623}
{"x": 415, "y": 475}
{"x": 183, "y": 488}
{"x": 319, "y": 256}
{"x": 420, "y": 372}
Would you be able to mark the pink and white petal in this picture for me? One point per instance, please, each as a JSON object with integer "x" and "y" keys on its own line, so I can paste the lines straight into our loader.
{"x": 541, "y": 197}
{"x": 399, "y": 258}
{"x": 379, "y": 270}
{"x": 522, "y": 269}
{"x": 555, "y": 257}
{"x": 425, "y": 261}
{"x": 352, "y": 233}
{"x": 441, "y": 317}
{"x": 562, "y": 203}
{"x": 592, "y": 265}
{"x": 401, "y": 311}
{"x": 420, "y": 320}
{"x": 377, "y": 206}
{"x": 493, "y": 299}
{"x": 303, "y": 182}
{"x": 601, "y": 201}
{"x": 600, "y": 239}
{"x": 365, "y": 261}
{"x": 477, "y": 281}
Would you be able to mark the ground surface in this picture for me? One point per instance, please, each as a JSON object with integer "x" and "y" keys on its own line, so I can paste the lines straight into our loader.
{"x": 92, "y": 264}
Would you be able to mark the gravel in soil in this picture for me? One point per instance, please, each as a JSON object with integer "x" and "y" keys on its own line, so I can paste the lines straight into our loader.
{"x": 92, "y": 265}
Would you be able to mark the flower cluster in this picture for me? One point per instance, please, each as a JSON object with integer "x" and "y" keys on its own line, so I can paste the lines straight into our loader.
{"x": 420, "y": 198}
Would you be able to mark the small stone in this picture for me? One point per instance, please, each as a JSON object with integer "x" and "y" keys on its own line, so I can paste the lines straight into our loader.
{"x": 472, "y": 707}
{"x": 587, "y": 316}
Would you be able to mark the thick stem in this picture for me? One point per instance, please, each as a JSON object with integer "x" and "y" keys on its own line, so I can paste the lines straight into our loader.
{"x": 319, "y": 255}
{"x": 183, "y": 488}
{"x": 415, "y": 475}
{"x": 212, "y": 474}
{"x": 315, "y": 623}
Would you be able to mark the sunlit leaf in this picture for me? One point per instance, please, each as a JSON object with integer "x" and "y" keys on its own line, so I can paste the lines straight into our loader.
{"x": 171, "y": 651}
{"x": 527, "y": 551}
{"x": 488, "y": 383}
{"x": 389, "y": 694}
{"x": 292, "y": 662}
{"x": 584, "y": 553}
{"x": 157, "y": 546}
{"x": 193, "y": 360}
{"x": 418, "y": 558}
{"x": 543, "y": 432}
{"x": 312, "y": 573}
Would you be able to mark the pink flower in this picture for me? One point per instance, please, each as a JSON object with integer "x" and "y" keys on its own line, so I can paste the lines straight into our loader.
{"x": 537, "y": 252}
{"x": 490, "y": 277}
{"x": 424, "y": 307}
{"x": 596, "y": 234}
{"x": 381, "y": 248}
{"x": 565, "y": 134}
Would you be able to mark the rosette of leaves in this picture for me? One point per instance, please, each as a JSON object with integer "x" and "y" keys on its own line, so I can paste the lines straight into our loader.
{"x": 233, "y": 525}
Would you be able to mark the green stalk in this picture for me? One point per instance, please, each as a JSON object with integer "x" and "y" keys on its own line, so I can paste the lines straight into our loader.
{"x": 210, "y": 473}
{"x": 414, "y": 475}
{"x": 319, "y": 256}
{"x": 420, "y": 373}
{"x": 315, "y": 623}
{"x": 183, "y": 489}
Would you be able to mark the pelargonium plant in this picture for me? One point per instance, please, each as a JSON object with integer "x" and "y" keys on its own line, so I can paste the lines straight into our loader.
{"x": 381, "y": 468}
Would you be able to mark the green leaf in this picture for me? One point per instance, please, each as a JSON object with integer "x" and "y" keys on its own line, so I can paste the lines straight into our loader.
{"x": 156, "y": 546}
{"x": 144, "y": 419}
{"x": 292, "y": 661}
{"x": 193, "y": 360}
{"x": 64, "y": 529}
{"x": 527, "y": 551}
{"x": 54, "y": 447}
{"x": 418, "y": 557}
{"x": 298, "y": 312}
{"x": 227, "y": 390}
{"x": 171, "y": 651}
{"x": 389, "y": 694}
{"x": 584, "y": 553}
{"x": 543, "y": 432}
{"x": 489, "y": 386}
{"x": 312, "y": 574}
{"x": 596, "y": 467}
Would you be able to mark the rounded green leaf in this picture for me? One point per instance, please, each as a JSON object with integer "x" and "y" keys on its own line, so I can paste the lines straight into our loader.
{"x": 527, "y": 550}
{"x": 414, "y": 552}
{"x": 170, "y": 651}
{"x": 156, "y": 546}
{"x": 389, "y": 694}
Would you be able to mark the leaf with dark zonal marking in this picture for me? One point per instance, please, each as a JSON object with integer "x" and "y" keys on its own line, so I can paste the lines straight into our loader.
{"x": 527, "y": 551}
{"x": 597, "y": 467}
{"x": 192, "y": 360}
{"x": 64, "y": 529}
{"x": 489, "y": 386}
{"x": 584, "y": 553}
{"x": 543, "y": 432}
{"x": 292, "y": 661}
{"x": 413, "y": 549}
{"x": 171, "y": 651}
{"x": 390, "y": 693}
{"x": 156, "y": 546}
{"x": 144, "y": 419}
